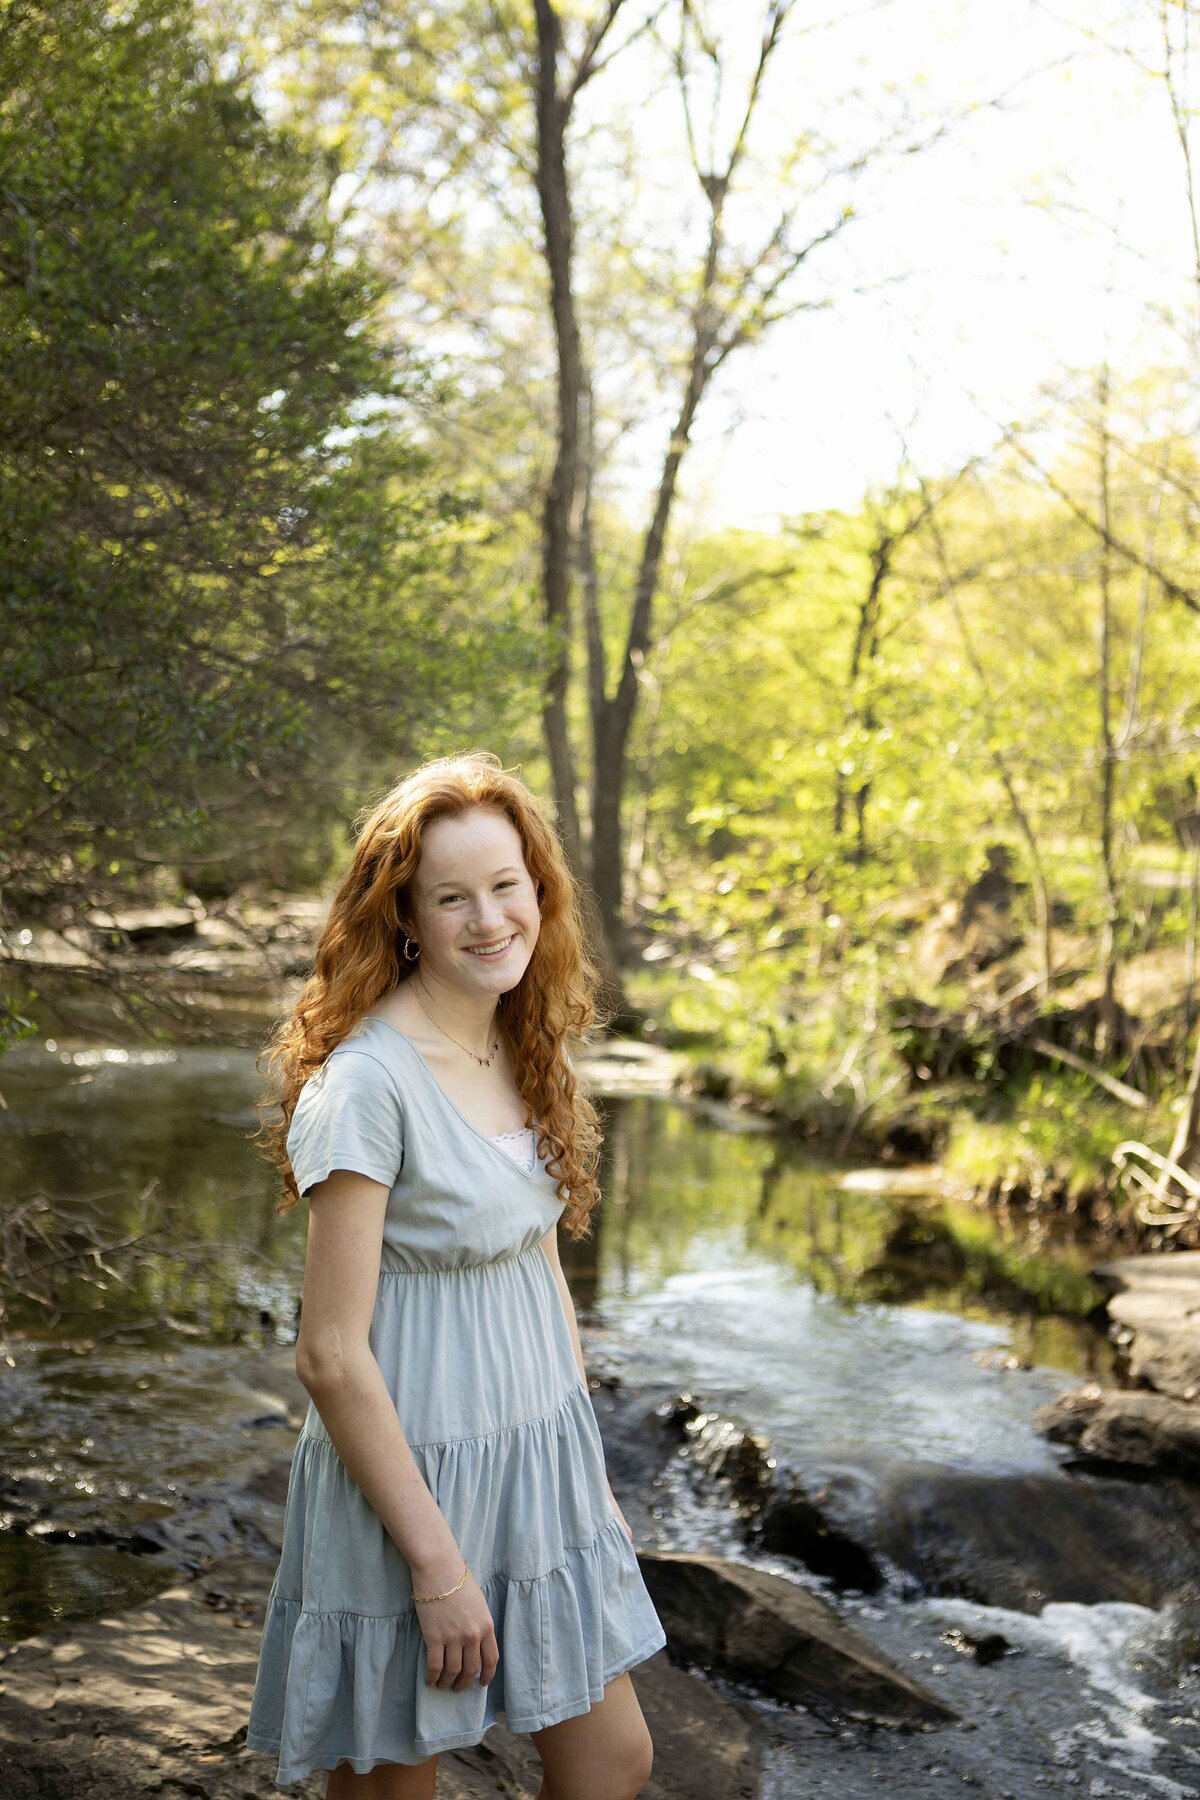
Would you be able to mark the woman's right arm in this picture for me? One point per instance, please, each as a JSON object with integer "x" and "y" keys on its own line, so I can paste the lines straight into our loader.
{"x": 336, "y": 1366}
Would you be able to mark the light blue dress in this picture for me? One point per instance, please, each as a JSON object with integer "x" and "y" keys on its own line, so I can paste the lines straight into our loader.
{"x": 470, "y": 1333}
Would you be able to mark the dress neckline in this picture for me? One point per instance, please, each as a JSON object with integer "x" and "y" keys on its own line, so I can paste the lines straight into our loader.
{"x": 534, "y": 1174}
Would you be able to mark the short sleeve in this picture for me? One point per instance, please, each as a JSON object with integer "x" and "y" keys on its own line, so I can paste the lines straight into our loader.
{"x": 348, "y": 1116}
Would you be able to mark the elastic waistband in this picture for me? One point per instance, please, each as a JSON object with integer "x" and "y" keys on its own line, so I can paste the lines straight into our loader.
{"x": 476, "y": 1270}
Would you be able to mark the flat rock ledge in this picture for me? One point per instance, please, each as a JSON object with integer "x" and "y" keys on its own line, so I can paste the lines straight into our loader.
{"x": 1155, "y": 1299}
{"x": 761, "y": 1628}
{"x": 1145, "y": 1431}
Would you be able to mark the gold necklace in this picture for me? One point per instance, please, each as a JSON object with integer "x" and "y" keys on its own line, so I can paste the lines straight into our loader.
{"x": 485, "y": 1062}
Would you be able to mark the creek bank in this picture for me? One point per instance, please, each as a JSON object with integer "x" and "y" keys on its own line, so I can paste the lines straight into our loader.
{"x": 910, "y": 1154}
{"x": 903, "y": 1155}
{"x": 1153, "y": 1304}
{"x": 968, "y": 1048}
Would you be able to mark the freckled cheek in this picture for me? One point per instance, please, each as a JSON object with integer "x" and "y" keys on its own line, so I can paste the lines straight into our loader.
{"x": 441, "y": 932}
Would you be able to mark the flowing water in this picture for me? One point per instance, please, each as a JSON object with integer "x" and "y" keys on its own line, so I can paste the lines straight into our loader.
{"x": 869, "y": 1339}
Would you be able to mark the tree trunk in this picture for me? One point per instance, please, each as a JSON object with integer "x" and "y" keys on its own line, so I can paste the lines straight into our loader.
{"x": 1185, "y": 1149}
{"x": 555, "y": 200}
{"x": 1106, "y": 1028}
{"x": 615, "y": 718}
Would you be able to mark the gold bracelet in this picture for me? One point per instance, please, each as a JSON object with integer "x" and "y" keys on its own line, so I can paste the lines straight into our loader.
{"x": 424, "y": 1599}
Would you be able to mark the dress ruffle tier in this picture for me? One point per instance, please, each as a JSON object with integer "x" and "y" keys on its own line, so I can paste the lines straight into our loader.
{"x": 342, "y": 1666}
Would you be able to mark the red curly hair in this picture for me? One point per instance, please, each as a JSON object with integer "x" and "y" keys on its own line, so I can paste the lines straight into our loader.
{"x": 359, "y": 958}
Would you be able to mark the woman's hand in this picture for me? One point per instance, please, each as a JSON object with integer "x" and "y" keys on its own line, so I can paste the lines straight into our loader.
{"x": 460, "y": 1637}
{"x": 619, "y": 1513}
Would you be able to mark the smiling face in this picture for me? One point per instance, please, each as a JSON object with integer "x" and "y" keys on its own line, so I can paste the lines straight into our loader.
{"x": 474, "y": 903}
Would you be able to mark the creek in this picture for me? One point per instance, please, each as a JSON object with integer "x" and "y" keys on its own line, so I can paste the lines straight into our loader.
{"x": 889, "y": 1352}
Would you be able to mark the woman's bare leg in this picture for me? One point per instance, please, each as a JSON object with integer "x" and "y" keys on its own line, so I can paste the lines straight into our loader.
{"x": 386, "y": 1781}
{"x": 604, "y": 1754}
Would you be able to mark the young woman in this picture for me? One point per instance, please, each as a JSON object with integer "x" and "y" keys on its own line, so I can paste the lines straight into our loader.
{"x": 453, "y": 1554}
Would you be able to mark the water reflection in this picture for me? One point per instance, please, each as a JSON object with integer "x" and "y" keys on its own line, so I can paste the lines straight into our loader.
{"x": 683, "y": 1195}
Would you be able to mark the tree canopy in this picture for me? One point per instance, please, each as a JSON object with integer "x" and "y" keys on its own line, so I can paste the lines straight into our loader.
{"x": 216, "y": 525}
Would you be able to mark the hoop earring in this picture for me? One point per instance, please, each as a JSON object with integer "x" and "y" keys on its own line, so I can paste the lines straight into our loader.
{"x": 411, "y": 942}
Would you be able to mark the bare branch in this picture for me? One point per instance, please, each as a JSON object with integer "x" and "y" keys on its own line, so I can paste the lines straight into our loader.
{"x": 777, "y": 12}
{"x": 679, "y": 64}
{"x": 598, "y": 66}
{"x": 585, "y": 68}
{"x": 1181, "y": 122}
{"x": 757, "y": 316}
{"x": 1139, "y": 560}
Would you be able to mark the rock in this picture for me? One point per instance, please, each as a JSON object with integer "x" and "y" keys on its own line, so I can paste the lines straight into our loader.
{"x": 1005, "y": 1538}
{"x": 1066, "y": 1419}
{"x": 1168, "y": 1361}
{"x": 154, "y": 1701}
{"x": 793, "y": 1525}
{"x": 777, "y": 1512}
{"x": 41, "y": 944}
{"x": 990, "y": 1647}
{"x": 270, "y": 1484}
{"x": 147, "y": 927}
{"x": 622, "y": 1066}
{"x": 271, "y": 1377}
{"x": 220, "y": 934}
{"x": 1157, "y": 1298}
{"x": 1019, "y": 1539}
{"x": 916, "y": 1182}
{"x": 1160, "y": 1289}
{"x": 758, "y": 1627}
{"x": 1149, "y": 1431}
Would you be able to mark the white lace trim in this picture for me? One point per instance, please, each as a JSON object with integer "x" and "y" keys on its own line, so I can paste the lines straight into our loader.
{"x": 520, "y": 1145}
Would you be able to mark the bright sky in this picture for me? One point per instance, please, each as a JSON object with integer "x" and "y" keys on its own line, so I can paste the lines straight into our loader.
{"x": 1037, "y": 237}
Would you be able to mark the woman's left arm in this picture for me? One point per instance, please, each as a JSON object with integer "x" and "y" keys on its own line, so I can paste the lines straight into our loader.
{"x": 550, "y": 1246}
